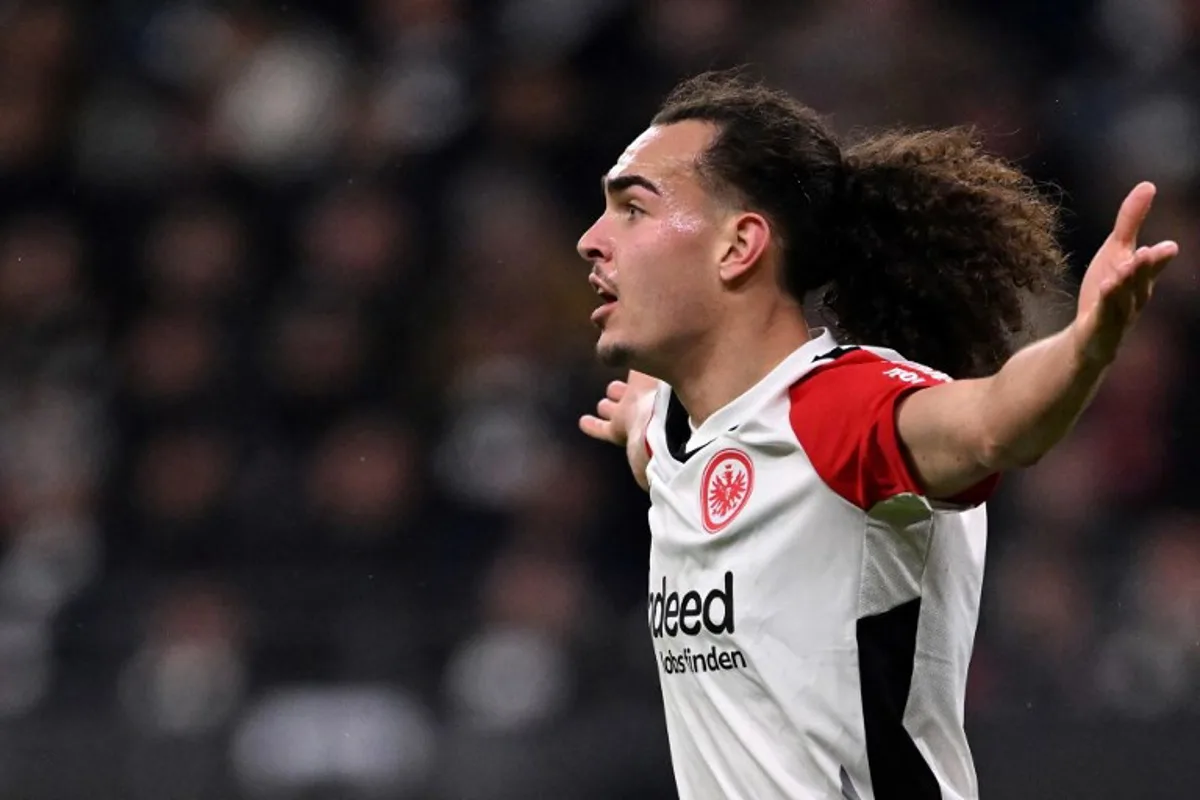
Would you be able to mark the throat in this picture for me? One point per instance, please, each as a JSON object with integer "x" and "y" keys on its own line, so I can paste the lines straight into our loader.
{"x": 728, "y": 374}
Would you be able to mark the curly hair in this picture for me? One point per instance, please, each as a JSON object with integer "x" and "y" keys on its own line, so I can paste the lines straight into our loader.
{"x": 917, "y": 241}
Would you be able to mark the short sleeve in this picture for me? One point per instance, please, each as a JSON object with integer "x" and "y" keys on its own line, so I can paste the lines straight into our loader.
{"x": 844, "y": 416}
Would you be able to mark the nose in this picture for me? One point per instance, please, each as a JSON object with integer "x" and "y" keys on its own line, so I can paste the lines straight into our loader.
{"x": 593, "y": 246}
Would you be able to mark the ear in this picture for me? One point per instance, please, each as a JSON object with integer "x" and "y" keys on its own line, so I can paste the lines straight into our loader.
{"x": 748, "y": 236}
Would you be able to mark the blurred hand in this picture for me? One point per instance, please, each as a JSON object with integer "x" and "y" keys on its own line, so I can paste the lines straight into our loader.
{"x": 618, "y": 414}
{"x": 1119, "y": 281}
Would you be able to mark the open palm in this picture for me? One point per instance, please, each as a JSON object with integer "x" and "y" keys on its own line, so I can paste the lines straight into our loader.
{"x": 617, "y": 412}
{"x": 1119, "y": 281}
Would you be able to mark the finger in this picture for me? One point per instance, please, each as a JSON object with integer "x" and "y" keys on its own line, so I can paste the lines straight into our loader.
{"x": 616, "y": 390}
{"x": 1160, "y": 255}
{"x": 1133, "y": 213}
{"x": 1167, "y": 249}
{"x": 1146, "y": 265}
{"x": 596, "y": 428}
{"x": 606, "y": 409}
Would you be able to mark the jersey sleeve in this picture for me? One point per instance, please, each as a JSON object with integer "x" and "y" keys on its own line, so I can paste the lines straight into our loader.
{"x": 844, "y": 416}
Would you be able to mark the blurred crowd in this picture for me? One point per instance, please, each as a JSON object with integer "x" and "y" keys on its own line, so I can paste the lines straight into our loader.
{"x": 293, "y": 339}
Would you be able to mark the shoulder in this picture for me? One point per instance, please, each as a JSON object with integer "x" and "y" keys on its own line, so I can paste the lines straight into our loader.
{"x": 851, "y": 381}
{"x": 864, "y": 370}
{"x": 843, "y": 414}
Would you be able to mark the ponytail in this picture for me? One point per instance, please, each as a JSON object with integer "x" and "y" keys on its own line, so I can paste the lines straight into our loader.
{"x": 934, "y": 248}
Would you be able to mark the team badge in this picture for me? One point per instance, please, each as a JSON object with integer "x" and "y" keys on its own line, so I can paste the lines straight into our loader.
{"x": 725, "y": 488}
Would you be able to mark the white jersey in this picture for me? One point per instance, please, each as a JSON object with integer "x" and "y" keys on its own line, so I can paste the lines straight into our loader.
{"x": 812, "y": 614}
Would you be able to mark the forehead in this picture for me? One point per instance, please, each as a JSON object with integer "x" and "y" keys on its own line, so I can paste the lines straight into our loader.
{"x": 665, "y": 151}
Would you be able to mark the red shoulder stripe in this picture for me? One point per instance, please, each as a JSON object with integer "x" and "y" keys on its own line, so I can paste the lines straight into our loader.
{"x": 844, "y": 416}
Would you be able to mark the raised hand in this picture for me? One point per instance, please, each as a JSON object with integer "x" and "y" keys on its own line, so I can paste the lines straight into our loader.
{"x": 621, "y": 419}
{"x": 1119, "y": 281}
{"x": 617, "y": 414}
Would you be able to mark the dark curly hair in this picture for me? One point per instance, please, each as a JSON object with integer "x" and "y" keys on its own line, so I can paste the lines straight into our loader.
{"x": 918, "y": 241}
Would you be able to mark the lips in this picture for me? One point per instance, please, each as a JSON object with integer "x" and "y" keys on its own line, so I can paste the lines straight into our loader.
{"x": 608, "y": 298}
{"x": 601, "y": 313}
{"x": 603, "y": 288}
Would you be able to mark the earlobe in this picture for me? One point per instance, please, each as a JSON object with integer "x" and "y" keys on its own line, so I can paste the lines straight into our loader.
{"x": 747, "y": 242}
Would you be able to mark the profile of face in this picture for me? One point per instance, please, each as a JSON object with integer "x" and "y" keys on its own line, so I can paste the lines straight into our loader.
{"x": 664, "y": 251}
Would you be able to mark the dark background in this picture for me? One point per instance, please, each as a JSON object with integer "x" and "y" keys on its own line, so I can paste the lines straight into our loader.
{"x": 293, "y": 339}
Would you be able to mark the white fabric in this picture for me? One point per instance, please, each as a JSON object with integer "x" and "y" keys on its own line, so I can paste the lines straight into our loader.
{"x": 760, "y": 680}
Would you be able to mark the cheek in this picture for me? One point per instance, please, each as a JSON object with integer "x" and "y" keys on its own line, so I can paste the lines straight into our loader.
{"x": 665, "y": 264}
{"x": 685, "y": 224}
{"x": 674, "y": 247}
{"x": 678, "y": 292}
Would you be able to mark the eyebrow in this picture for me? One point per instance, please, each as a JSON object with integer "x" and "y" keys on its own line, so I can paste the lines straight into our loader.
{"x": 623, "y": 182}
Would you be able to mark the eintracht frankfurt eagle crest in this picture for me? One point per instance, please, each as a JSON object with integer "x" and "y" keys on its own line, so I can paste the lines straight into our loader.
{"x": 728, "y": 481}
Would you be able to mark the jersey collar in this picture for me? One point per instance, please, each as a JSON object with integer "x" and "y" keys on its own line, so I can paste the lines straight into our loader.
{"x": 777, "y": 380}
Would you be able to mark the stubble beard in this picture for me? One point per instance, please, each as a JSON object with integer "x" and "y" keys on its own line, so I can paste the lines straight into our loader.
{"x": 614, "y": 355}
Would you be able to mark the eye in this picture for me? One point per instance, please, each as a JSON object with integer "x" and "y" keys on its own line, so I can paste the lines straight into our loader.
{"x": 632, "y": 211}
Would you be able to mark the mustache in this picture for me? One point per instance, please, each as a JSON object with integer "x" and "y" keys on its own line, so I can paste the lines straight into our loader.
{"x": 609, "y": 281}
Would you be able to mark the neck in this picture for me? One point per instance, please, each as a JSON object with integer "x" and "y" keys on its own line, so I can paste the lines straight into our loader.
{"x": 738, "y": 357}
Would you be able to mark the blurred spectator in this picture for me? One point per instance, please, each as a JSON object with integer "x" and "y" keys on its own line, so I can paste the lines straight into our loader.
{"x": 363, "y": 482}
{"x": 359, "y": 243}
{"x": 515, "y": 672}
{"x": 354, "y": 742}
{"x": 188, "y": 675}
{"x": 173, "y": 364}
{"x": 195, "y": 256}
{"x": 278, "y": 107}
{"x": 833, "y": 53}
{"x": 179, "y": 492}
{"x": 1046, "y": 623}
{"x": 315, "y": 361}
{"x": 1150, "y": 665}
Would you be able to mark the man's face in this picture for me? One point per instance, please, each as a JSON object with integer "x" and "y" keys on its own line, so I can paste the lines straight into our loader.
{"x": 654, "y": 249}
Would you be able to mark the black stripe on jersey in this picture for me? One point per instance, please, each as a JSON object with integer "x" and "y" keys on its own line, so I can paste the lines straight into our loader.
{"x": 677, "y": 430}
{"x": 836, "y": 353}
{"x": 887, "y": 646}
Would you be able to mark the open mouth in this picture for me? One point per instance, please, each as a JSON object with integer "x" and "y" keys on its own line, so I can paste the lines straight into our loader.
{"x": 608, "y": 302}
{"x": 608, "y": 298}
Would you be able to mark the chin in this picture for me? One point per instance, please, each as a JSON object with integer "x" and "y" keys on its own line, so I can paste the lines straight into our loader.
{"x": 614, "y": 354}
